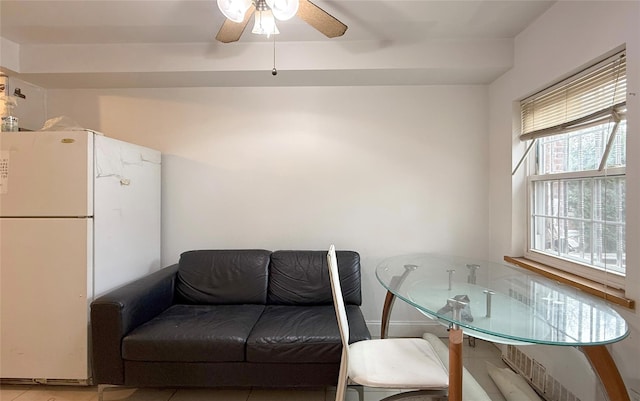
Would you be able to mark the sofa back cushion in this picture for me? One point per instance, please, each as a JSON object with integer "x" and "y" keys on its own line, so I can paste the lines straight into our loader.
{"x": 210, "y": 277}
{"x": 302, "y": 278}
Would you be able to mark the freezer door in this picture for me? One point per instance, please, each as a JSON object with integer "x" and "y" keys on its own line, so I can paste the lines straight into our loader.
{"x": 45, "y": 286}
{"x": 46, "y": 173}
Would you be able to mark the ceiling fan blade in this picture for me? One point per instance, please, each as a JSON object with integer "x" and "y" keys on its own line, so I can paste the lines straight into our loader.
{"x": 324, "y": 22}
{"x": 231, "y": 31}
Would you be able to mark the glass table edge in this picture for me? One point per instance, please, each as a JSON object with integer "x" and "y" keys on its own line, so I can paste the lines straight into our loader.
{"x": 497, "y": 337}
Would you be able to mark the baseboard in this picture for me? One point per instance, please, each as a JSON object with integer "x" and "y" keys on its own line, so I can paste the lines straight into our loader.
{"x": 53, "y": 382}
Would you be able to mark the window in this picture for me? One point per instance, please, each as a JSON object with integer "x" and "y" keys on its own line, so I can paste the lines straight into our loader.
{"x": 577, "y": 178}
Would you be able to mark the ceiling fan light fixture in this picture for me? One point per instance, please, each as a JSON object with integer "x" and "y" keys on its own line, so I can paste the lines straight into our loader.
{"x": 264, "y": 23}
{"x": 315, "y": 16}
{"x": 234, "y": 9}
{"x": 283, "y": 9}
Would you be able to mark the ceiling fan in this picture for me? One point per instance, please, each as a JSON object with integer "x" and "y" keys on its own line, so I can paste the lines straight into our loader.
{"x": 239, "y": 12}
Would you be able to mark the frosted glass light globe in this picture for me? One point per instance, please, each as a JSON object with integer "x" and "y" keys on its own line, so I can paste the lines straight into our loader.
{"x": 234, "y": 9}
{"x": 283, "y": 9}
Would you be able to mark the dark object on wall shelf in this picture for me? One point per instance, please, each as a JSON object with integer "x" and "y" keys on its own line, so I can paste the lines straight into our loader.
{"x": 18, "y": 93}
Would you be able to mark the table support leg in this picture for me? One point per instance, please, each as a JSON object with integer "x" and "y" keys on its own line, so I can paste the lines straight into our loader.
{"x": 396, "y": 282}
{"x": 386, "y": 314}
{"x": 455, "y": 364}
{"x": 606, "y": 369}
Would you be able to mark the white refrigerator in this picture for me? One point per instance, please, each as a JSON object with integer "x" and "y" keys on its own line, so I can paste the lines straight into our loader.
{"x": 79, "y": 215}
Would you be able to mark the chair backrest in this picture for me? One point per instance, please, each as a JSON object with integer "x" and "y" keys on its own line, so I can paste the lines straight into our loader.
{"x": 338, "y": 301}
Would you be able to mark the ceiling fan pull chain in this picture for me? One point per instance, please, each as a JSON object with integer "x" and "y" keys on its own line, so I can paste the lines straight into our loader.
{"x": 274, "y": 71}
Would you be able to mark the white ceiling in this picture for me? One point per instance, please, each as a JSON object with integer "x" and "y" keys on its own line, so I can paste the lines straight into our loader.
{"x": 159, "y": 43}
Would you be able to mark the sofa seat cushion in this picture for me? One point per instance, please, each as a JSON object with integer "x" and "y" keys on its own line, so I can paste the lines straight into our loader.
{"x": 193, "y": 333}
{"x": 302, "y": 334}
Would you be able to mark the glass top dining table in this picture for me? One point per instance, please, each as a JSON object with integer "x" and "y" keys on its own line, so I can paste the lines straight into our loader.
{"x": 502, "y": 303}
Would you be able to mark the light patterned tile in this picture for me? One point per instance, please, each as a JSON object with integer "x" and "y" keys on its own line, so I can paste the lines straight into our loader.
{"x": 58, "y": 393}
{"x": 10, "y": 392}
{"x": 137, "y": 394}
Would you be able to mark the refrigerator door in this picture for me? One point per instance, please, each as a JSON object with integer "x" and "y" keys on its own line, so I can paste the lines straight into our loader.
{"x": 45, "y": 287}
{"x": 46, "y": 174}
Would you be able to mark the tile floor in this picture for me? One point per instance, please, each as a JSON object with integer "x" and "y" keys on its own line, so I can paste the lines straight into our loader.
{"x": 474, "y": 361}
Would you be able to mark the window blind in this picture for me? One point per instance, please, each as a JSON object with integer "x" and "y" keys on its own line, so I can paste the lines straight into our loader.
{"x": 595, "y": 94}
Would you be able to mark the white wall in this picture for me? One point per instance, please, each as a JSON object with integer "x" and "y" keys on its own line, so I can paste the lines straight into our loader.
{"x": 379, "y": 170}
{"x": 568, "y": 36}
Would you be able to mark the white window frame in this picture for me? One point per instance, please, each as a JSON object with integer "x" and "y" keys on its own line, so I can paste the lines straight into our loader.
{"x": 605, "y": 277}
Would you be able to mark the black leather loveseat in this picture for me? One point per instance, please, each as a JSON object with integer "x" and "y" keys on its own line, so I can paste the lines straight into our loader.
{"x": 227, "y": 318}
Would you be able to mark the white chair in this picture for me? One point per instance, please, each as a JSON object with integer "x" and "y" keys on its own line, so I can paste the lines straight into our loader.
{"x": 409, "y": 364}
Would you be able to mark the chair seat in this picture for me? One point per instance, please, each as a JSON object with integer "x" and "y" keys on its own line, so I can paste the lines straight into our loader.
{"x": 400, "y": 363}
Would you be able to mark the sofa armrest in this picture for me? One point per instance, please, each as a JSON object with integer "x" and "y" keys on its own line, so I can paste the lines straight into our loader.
{"x": 116, "y": 313}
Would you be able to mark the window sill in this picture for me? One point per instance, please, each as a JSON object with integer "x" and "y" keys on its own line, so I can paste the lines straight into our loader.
{"x": 613, "y": 295}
